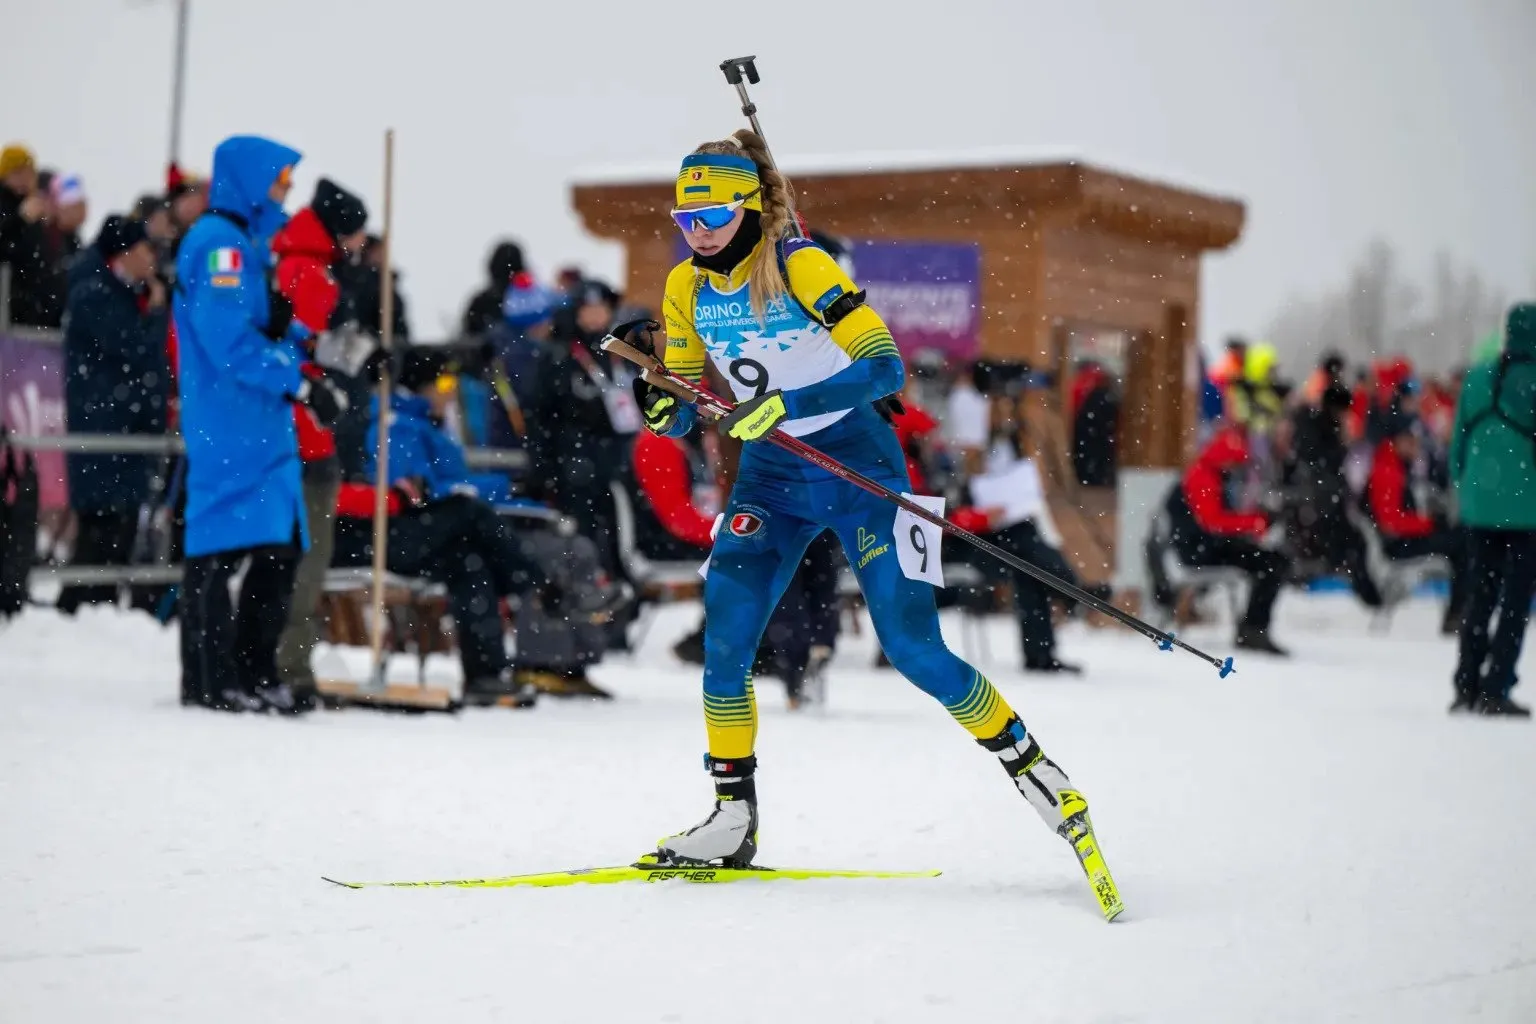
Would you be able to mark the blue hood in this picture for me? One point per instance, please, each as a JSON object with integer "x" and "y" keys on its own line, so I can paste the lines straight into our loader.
{"x": 244, "y": 168}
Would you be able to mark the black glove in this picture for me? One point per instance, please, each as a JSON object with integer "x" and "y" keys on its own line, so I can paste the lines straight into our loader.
{"x": 279, "y": 316}
{"x": 324, "y": 398}
{"x": 411, "y": 490}
{"x": 639, "y": 334}
{"x": 659, "y": 408}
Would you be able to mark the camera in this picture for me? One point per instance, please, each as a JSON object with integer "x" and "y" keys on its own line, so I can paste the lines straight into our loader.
{"x": 1006, "y": 377}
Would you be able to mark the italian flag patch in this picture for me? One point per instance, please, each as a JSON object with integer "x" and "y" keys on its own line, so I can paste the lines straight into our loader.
{"x": 225, "y": 261}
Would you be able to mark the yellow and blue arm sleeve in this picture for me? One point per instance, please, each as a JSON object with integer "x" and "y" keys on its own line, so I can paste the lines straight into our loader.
{"x": 876, "y": 370}
{"x": 685, "y": 353}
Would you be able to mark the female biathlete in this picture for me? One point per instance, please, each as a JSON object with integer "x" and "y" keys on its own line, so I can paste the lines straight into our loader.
{"x": 805, "y": 354}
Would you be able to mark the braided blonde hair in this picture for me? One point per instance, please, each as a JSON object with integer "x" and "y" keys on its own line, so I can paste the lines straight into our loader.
{"x": 764, "y": 282}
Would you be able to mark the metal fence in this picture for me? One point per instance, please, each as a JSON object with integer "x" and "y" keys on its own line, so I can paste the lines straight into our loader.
{"x": 129, "y": 444}
{"x": 32, "y": 388}
{"x": 145, "y": 444}
{"x": 121, "y": 444}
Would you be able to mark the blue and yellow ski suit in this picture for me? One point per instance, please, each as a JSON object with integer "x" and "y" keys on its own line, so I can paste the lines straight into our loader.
{"x": 830, "y": 379}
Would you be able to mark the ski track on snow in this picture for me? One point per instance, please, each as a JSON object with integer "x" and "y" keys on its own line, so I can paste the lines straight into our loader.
{"x": 1306, "y": 841}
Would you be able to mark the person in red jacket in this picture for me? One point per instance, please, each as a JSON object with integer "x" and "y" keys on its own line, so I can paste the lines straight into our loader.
{"x": 913, "y": 426}
{"x": 670, "y": 524}
{"x": 331, "y": 226}
{"x": 1207, "y": 531}
{"x": 1405, "y": 531}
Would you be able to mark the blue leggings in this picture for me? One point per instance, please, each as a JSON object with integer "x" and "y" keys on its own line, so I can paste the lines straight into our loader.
{"x": 774, "y": 512}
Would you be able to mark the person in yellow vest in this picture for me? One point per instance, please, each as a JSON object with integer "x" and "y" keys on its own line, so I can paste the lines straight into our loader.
{"x": 1252, "y": 398}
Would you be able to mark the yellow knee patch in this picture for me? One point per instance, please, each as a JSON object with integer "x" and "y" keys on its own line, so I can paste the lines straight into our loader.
{"x": 982, "y": 711}
{"x": 732, "y": 724}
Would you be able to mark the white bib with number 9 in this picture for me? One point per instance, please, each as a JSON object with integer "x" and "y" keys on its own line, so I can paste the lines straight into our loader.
{"x": 917, "y": 541}
{"x": 786, "y": 352}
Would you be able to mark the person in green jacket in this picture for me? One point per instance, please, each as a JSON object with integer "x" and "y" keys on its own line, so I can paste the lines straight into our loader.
{"x": 1493, "y": 466}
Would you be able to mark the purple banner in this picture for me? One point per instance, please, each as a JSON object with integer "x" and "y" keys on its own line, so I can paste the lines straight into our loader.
{"x": 928, "y": 293}
{"x": 32, "y": 403}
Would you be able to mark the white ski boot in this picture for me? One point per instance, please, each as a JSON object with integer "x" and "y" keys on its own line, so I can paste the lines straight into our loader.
{"x": 1059, "y": 803}
{"x": 729, "y": 835}
{"x": 1042, "y": 782}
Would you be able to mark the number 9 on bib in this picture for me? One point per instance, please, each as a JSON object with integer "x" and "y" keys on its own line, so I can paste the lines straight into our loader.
{"x": 917, "y": 541}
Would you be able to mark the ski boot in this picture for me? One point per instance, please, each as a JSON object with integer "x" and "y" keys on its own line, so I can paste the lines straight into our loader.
{"x": 1251, "y": 638}
{"x": 1466, "y": 701}
{"x": 505, "y": 690}
{"x": 562, "y": 683}
{"x": 230, "y": 699}
{"x": 1052, "y": 666}
{"x": 727, "y": 837}
{"x": 1498, "y": 705}
{"x": 283, "y": 699}
{"x": 1060, "y": 805}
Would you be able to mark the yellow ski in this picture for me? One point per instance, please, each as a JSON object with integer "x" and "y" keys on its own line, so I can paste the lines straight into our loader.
{"x": 1079, "y": 832}
{"x": 699, "y": 875}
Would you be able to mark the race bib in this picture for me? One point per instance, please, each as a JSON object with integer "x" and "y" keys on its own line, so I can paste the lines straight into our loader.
{"x": 917, "y": 541}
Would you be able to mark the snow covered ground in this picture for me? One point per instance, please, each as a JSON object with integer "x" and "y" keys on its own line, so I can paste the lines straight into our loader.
{"x": 1307, "y": 841}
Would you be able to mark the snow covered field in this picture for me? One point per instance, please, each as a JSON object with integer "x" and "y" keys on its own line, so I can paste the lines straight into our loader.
{"x": 1306, "y": 841}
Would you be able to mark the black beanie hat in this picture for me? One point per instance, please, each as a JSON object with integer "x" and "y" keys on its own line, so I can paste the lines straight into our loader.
{"x": 594, "y": 292}
{"x": 421, "y": 365}
{"x": 506, "y": 260}
{"x": 118, "y": 235}
{"x": 340, "y": 212}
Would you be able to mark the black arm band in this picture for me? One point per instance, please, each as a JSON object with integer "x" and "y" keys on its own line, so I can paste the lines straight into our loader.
{"x": 843, "y": 305}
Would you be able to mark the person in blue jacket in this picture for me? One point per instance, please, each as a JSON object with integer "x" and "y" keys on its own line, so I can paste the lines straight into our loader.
{"x": 419, "y": 447}
{"x": 443, "y": 525}
{"x": 239, "y": 371}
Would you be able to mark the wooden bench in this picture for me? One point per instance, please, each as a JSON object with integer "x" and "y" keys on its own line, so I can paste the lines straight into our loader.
{"x": 415, "y": 611}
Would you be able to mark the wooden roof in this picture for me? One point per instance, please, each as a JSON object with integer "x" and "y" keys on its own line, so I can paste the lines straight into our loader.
{"x": 1074, "y": 191}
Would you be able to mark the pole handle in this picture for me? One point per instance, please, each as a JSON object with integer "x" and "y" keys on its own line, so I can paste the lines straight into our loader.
{"x": 739, "y": 71}
{"x": 737, "y": 67}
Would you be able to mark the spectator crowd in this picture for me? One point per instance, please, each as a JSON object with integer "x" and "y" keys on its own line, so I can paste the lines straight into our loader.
{"x": 1379, "y": 476}
{"x": 206, "y": 311}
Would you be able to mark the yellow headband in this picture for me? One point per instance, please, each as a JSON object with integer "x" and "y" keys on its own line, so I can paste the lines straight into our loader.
{"x": 718, "y": 178}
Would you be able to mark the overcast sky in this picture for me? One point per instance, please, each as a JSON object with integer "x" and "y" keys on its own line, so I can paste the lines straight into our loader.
{"x": 1335, "y": 120}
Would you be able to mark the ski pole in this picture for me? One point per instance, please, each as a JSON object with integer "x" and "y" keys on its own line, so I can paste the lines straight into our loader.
{"x": 509, "y": 403}
{"x": 738, "y": 72}
{"x": 655, "y": 373}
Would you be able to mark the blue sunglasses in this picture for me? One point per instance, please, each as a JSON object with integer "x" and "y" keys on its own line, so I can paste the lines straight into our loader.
{"x": 710, "y": 218}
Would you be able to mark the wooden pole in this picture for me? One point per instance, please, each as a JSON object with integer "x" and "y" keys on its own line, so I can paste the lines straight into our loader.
{"x": 381, "y": 458}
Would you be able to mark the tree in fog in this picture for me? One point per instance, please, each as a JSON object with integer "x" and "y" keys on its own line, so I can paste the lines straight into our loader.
{"x": 1379, "y": 311}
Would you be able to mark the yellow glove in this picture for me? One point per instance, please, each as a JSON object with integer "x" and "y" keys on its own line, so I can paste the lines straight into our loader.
{"x": 755, "y": 418}
{"x": 660, "y": 411}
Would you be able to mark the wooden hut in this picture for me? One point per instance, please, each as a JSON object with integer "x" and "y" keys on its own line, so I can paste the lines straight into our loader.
{"x": 1075, "y": 260}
